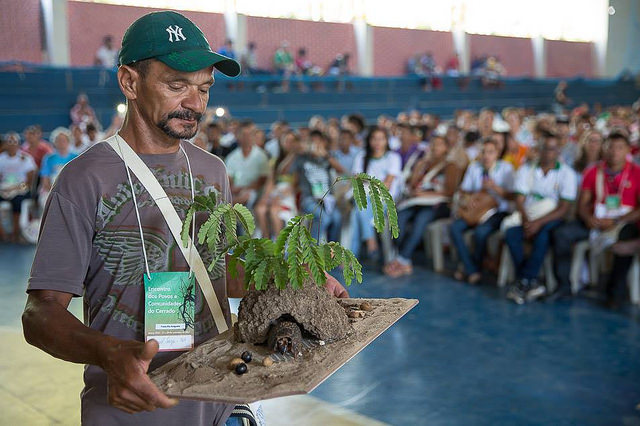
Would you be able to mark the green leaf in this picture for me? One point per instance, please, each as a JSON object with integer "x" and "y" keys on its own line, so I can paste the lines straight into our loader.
{"x": 376, "y": 207}
{"x": 357, "y": 182}
{"x": 260, "y": 278}
{"x": 392, "y": 214}
{"x": 245, "y": 217}
{"x": 294, "y": 259}
{"x": 230, "y": 226}
{"x": 281, "y": 278}
{"x": 204, "y": 229}
{"x": 214, "y": 232}
{"x": 281, "y": 241}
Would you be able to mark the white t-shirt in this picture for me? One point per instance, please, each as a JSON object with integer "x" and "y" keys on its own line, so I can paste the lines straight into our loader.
{"x": 501, "y": 174}
{"x": 14, "y": 170}
{"x": 246, "y": 170}
{"x": 108, "y": 57}
{"x": 273, "y": 148}
{"x": 560, "y": 183}
{"x": 390, "y": 164}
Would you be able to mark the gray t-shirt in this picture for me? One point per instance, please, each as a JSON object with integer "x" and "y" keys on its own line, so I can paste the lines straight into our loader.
{"x": 90, "y": 246}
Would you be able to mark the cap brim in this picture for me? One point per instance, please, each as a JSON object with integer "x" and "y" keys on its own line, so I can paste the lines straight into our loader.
{"x": 194, "y": 60}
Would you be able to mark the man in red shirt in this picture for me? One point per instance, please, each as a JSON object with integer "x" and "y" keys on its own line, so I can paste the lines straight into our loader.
{"x": 609, "y": 203}
{"x": 35, "y": 145}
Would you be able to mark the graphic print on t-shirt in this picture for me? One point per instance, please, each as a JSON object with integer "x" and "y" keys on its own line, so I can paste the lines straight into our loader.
{"x": 121, "y": 250}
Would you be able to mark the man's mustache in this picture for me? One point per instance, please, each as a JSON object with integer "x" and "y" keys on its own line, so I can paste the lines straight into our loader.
{"x": 185, "y": 115}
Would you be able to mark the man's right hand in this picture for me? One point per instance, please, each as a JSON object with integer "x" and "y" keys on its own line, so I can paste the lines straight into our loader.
{"x": 126, "y": 363}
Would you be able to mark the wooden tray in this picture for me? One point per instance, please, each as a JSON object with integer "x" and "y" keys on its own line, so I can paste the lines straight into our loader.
{"x": 204, "y": 374}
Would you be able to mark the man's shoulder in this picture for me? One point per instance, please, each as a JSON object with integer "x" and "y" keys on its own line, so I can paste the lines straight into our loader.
{"x": 200, "y": 155}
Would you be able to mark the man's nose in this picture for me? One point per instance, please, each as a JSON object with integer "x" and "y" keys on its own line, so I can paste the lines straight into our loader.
{"x": 195, "y": 100}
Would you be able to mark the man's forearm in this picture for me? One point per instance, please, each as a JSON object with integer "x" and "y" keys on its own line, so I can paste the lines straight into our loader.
{"x": 52, "y": 328}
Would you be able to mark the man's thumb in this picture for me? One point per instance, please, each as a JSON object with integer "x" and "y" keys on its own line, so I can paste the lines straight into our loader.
{"x": 149, "y": 350}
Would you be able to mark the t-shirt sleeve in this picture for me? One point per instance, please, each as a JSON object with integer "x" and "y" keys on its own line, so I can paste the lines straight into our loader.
{"x": 568, "y": 185}
{"x": 467, "y": 180}
{"x": 45, "y": 169}
{"x": 507, "y": 178}
{"x": 395, "y": 164}
{"x": 64, "y": 248}
{"x": 522, "y": 185}
{"x": 358, "y": 164}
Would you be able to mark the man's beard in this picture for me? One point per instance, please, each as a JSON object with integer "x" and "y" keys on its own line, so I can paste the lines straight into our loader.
{"x": 184, "y": 115}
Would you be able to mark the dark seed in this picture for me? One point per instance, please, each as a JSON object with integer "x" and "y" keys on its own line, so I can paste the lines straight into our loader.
{"x": 241, "y": 368}
{"x": 246, "y": 356}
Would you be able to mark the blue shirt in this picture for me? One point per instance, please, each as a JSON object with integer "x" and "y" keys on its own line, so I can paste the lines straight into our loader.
{"x": 346, "y": 160}
{"x": 53, "y": 163}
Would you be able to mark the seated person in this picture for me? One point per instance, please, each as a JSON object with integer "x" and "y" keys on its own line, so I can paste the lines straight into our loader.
{"x": 247, "y": 166}
{"x": 378, "y": 161}
{"x": 430, "y": 188}
{"x": 54, "y": 162}
{"x": 278, "y": 202}
{"x": 312, "y": 179}
{"x": 608, "y": 211}
{"x": 545, "y": 190}
{"x": 17, "y": 169}
{"x": 485, "y": 186}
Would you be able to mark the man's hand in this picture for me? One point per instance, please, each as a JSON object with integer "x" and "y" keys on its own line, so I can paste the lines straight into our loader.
{"x": 334, "y": 288}
{"x": 531, "y": 228}
{"x": 606, "y": 224}
{"x": 130, "y": 389}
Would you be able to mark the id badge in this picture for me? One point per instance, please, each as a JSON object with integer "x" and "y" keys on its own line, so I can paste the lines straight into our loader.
{"x": 169, "y": 310}
{"x": 612, "y": 202}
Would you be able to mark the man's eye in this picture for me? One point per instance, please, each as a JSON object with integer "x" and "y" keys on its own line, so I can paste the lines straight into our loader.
{"x": 175, "y": 87}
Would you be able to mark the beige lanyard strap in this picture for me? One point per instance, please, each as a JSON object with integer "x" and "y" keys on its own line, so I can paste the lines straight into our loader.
{"x": 153, "y": 187}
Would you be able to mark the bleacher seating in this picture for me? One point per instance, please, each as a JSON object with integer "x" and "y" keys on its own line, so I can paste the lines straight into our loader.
{"x": 44, "y": 95}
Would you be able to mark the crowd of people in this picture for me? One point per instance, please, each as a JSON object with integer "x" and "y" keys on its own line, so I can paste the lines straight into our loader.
{"x": 544, "y": 181}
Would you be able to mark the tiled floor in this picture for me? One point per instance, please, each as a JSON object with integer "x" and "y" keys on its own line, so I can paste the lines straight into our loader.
{"x": 463, "y": 356}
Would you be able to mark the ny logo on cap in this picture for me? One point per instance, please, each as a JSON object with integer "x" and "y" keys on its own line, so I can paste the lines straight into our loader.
{"x": 175, "y": 31}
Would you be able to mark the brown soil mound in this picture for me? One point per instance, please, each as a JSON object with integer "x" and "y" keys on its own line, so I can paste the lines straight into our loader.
{"x": 312, "y": 307}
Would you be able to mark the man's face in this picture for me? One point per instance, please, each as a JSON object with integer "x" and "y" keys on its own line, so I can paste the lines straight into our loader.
{"x": 245, "y": 137}
{"x": 617, "y": 151}
{"x": 62, "y": 143}
{"x": 489, "y": 155}
{"x": 550, "y": 150}
{"x": 174, "y": 101}
{"x": 32, "y": 136}
{"x": 12, "y": 145}
{"x": 344, "y": 141}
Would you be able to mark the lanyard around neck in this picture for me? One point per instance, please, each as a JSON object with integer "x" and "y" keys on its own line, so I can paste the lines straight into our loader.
{"x": 135, "y": 203}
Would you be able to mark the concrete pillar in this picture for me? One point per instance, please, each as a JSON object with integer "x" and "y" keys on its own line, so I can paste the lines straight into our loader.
{"x": 364, "y": 45}
{"x": 539, "y": 57}
{"x": 461, "y": 47}
{"x": 56, "y": 30}
{"x": 623, "y": 38}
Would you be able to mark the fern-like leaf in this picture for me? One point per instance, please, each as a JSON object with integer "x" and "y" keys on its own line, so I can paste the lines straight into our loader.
{"x": 392, "y": 214}
{"x": 359, "y": 195}
{"x": 245, "y": 217}
{"x": 281, "y": 278}
{"x": 294, "y": 259}
{"x": 230, "y": 226}
{"x": 377, "y": 208}
{"x": 281, "y": 241}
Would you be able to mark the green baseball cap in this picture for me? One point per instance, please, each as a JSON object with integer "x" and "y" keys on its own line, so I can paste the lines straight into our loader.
{"x": 174, "y": 40}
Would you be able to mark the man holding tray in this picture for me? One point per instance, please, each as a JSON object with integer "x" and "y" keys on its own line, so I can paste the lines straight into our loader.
{"x": 104, "y": 237}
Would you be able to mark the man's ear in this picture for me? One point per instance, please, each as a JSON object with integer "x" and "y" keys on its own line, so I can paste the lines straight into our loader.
{"x": 129, "y": 80}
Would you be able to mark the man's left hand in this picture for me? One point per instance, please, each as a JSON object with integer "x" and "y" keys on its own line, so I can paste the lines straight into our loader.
{"x": 334, "y": 288}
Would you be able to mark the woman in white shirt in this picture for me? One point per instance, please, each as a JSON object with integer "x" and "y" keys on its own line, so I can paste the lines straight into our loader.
{"x": 378, "y": 161}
